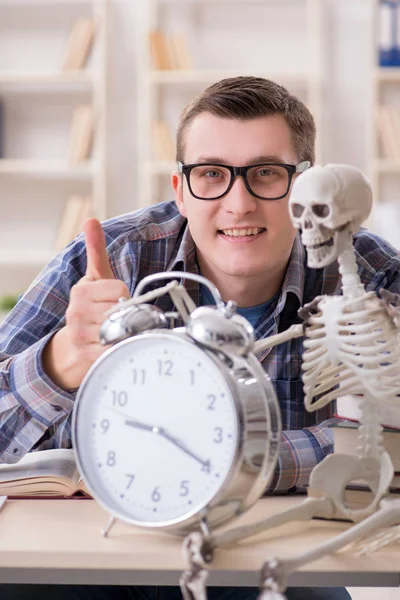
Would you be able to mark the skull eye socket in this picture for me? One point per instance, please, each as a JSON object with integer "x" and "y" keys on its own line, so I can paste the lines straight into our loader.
{"x": 321, "y": 210}
{"x": 297, "y": 210}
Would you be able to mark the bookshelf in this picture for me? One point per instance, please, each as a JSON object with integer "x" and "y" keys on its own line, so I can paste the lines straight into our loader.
{"x": 165, "y": 91}
{"x": 40, "y": 94}
{"x": 383, "y": 148}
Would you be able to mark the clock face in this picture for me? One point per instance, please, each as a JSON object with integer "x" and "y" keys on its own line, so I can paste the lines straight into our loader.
{"x": 156, "y": 429}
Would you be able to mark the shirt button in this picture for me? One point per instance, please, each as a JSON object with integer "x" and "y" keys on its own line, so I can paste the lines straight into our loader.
{"x": 57, "y": 408}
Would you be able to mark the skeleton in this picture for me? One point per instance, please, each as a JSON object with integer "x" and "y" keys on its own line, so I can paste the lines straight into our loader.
{"x": 351, "y": 347}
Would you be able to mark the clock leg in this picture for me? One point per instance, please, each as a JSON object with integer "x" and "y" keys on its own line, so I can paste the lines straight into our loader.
{"x": 110, "y": 523}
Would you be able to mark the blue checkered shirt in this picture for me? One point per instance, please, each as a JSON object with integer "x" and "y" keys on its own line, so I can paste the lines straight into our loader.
{"x": 35, "y": 414}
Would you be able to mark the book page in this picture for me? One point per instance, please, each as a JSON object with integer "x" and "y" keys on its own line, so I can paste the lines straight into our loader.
{"x": 47, "y": 472}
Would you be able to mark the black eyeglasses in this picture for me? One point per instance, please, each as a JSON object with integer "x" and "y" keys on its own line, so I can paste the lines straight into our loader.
{"x": 267, "y": 181}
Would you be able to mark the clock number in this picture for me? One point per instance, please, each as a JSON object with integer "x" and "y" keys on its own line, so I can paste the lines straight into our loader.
{"x": 111, "y": 458}
{"x": 165, "y": 367}
{"x": 105, "y": 424}
{"x": 130, "y": 480}
{"x": 191, "y": 376}
{"x": 212, "y": 399}
{"x": 206, "y": 467}
{"x": 156, "y": 496}
{"x": 139, "y": 376}
{"x": 184, "y": 489}
{"x": 119, "y": 398}
{"x": 217, "y": 439}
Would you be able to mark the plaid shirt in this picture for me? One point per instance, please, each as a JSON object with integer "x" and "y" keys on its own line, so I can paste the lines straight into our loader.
{"x": 36, "y": 414}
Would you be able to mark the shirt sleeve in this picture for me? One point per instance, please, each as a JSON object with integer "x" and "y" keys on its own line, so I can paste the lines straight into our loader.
{"x": 34, "y": 412}
{"x": 300, "y": 451}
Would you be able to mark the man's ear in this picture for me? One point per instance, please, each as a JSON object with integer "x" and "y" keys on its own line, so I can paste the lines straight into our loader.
{"x": 177, "y": 186}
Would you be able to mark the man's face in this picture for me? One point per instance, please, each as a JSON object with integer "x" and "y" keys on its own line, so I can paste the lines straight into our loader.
{"x": 221, "y": 255}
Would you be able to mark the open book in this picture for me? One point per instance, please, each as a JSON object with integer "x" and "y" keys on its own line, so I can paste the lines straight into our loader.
{"x": 44, "y": 473}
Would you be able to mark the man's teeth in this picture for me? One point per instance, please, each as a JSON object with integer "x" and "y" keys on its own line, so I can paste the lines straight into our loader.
{"x": 240, "y": 232}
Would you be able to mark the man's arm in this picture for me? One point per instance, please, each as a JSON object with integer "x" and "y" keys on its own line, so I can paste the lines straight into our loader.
{"x": 49, "y": 342}
{"x": 300, "y": 451}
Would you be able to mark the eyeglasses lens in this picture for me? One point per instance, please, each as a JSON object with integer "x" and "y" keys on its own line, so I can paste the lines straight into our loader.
{"x": 267, "y": 181}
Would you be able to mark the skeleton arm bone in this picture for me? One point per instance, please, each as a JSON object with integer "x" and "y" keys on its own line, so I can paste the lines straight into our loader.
{"x": 293, "y": 332}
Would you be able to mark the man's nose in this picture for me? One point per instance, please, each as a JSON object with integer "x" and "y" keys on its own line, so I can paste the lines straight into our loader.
{"x": 238, "y": 200}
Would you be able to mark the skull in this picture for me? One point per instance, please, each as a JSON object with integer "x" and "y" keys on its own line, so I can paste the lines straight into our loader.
{"x": 328, "y": 204}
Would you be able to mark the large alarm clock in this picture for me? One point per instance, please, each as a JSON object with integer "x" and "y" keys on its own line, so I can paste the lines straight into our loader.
{"x": 176, "y": 427}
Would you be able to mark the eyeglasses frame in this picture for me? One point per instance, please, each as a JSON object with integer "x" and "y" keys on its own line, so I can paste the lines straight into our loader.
{"x": 242, "y": 171}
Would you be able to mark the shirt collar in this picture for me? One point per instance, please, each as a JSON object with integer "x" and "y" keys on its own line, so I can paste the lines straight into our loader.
{"x": 185, "y": 260}
{"x": 293, "y": 281}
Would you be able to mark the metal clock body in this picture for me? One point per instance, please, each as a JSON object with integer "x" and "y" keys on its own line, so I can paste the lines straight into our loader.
{"x": 170, "y": 431}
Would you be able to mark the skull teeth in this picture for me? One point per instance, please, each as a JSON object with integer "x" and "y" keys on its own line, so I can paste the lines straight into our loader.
{"x": 322, "y": 244}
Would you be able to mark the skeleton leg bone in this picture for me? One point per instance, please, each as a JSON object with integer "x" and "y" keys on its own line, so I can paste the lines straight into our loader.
{"x": 274, "y": 573}
{"x": 277, "y": 571}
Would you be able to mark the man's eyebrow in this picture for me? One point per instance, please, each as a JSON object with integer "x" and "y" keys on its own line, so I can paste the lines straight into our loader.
{"x": 253, "y": 161}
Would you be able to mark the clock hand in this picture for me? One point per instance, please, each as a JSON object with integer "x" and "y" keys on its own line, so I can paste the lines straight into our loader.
{"x": 164, "y": 433}
{"x": 139, "y": 425}
{"x": 182, "y": 446}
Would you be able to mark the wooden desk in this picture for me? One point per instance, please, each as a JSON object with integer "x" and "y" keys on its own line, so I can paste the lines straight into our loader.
{"x": 59, "y": 541}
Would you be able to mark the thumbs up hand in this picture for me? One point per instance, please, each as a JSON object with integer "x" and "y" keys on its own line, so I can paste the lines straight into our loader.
{"x": 98, "y": 264}
{"x": 74, "y": 348}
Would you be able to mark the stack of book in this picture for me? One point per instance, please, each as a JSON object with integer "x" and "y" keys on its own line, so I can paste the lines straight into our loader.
{"x": 169, "y": 52}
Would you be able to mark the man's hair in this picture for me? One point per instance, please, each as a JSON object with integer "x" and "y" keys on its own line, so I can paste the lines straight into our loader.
{"x": 249, "y": 98}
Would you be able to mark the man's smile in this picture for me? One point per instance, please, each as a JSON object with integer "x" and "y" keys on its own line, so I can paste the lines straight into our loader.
{"x": 242, "y": 234}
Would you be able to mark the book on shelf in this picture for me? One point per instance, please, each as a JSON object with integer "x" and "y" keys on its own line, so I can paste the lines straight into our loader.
{"x": 348, "y": 407}
{"x": 46, "y": 473}
{"x": 163, "y": 145}
{"x": 160, "y": 51}
{"x": 169, "y": 51}
{"x": 79, "y": 44}
{"x": 179, "y": 51}
{"x": 81, "y": 134}
{"x": 2, "y": 125}
{"x": 76, "y": 210}
{"x": 345, "y": 440}
{"x": 387, "y": 21}
{"x": 388, "y": 122}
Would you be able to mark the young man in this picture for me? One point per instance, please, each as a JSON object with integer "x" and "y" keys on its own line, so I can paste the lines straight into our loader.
{"x": 239, "y": 147}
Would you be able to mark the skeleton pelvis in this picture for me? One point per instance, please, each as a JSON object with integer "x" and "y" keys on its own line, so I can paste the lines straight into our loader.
{"x": 336, "y": 471}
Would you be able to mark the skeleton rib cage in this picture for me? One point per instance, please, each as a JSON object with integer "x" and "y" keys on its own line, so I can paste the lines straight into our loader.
{"x": 351, "y": 347}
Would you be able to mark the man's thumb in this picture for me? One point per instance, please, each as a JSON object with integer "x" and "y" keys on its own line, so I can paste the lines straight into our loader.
{"x": 98, "y": 264}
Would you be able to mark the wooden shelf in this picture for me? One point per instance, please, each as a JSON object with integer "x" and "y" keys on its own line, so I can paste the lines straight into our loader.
{"x": 46, "y": 78}
{"x": 9, "y": 257}
{"x": 387, "y": 74}
{"x": 50, "y": 169}
{"x": 210, "y": 75}
{"x": 226, "y": 2}
{"x": 35, "y": 3}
